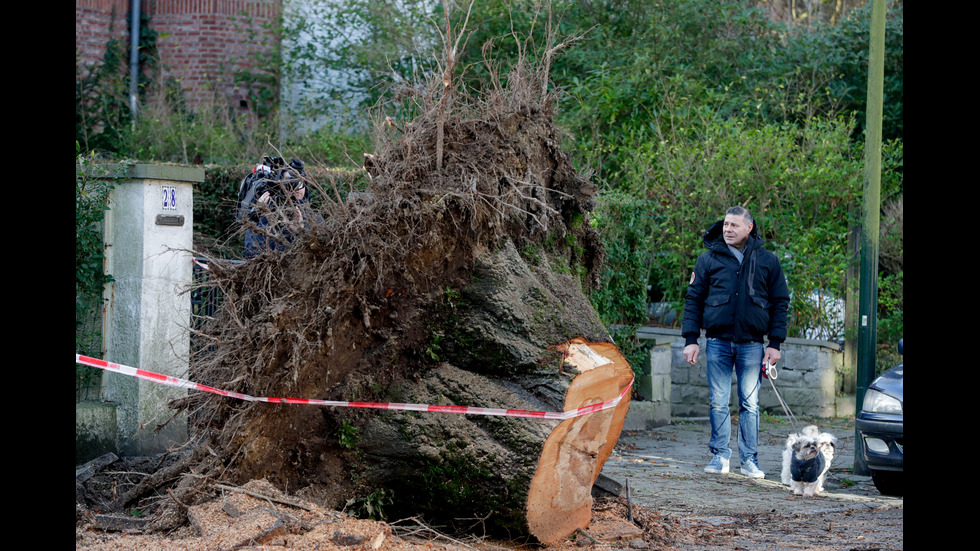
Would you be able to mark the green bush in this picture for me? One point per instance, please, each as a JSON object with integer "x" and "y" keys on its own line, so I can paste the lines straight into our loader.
{"x": 890, "y": 319}
{"x": 799, "y": 182}
{"x": 686, "y": 108}
{"x": 93, "y": 183}
{"x": 102, "y": 114}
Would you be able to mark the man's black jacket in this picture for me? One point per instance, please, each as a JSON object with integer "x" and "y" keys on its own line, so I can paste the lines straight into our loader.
{"x": 736, "y": 302}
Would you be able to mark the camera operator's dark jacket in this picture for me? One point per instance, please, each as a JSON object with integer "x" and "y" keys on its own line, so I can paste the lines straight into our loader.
{"x": 269, "y": 237}
{"x": 736, "y": 302}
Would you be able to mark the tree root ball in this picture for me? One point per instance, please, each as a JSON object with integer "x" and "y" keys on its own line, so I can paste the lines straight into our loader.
{"x": 456, "y": 274}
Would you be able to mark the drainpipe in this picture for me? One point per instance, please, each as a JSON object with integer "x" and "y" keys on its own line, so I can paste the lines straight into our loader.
{"x": 134, "y": 56}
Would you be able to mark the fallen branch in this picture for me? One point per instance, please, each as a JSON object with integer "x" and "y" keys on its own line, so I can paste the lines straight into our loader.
{"x": 404, "y": 531}
{"x": 284, "y": 501}
{"x": 180, "y": 503}
{"x": 586, "y": 534}
{"x": 160, "y": 477}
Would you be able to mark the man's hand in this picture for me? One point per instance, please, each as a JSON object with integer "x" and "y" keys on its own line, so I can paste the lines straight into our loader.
{"x": 772, "y": 356}
{"x": 691, "y": 353}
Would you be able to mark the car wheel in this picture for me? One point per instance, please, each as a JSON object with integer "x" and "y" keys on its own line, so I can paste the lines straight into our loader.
{"x": 889, "y": 483}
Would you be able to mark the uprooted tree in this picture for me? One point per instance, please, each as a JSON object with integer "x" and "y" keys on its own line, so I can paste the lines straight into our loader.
{"x": 459, "y": 276}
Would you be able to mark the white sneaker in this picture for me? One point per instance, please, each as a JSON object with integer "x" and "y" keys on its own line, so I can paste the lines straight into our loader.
{"x": 751, "y": 470}
{"x": 718, "y": 465}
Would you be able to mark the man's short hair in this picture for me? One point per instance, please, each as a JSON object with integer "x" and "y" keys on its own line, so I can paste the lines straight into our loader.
{"x": 741, "y": 211}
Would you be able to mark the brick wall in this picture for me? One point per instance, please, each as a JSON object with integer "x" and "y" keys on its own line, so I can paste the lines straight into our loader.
{"x": 93, "y": 20}
{"x": 202, "y": 43}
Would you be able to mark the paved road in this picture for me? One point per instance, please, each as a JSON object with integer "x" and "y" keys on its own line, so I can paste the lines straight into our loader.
{"x": 664, "y": 468}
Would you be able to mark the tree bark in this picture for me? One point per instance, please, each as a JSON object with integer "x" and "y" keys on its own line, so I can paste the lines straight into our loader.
{"x": 523, "y": 327}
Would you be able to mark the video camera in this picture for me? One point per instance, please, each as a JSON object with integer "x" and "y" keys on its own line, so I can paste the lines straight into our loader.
{"x": 274, "y": 176}
{"x": 280, "y": 180}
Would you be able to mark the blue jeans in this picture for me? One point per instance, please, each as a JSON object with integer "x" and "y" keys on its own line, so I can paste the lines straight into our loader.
{"x": 746, "y": 359}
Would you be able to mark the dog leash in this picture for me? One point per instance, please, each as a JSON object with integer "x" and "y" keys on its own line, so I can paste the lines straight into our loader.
{"x": 770, "y": 373}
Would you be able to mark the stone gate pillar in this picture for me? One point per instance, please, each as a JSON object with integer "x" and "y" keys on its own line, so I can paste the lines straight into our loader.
{"x": 149, "y": 238}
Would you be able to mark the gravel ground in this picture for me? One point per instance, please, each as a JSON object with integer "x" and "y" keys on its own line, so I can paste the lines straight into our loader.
{"x": 664, "y": 468}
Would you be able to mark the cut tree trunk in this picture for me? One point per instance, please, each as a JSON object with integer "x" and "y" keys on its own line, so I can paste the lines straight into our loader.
{"x": 560, "y": 497}
{"x": 511, "y": 476}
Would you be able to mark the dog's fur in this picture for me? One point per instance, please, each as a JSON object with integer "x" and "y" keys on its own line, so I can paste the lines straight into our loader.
{"x": 801, "y": 452}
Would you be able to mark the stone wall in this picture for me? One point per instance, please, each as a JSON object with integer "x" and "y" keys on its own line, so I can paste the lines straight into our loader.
{"x": 652, "y": 406}
{"x": 808, "y": 378}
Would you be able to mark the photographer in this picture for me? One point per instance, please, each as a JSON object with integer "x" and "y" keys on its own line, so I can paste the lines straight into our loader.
{"x": 273, "y": 197}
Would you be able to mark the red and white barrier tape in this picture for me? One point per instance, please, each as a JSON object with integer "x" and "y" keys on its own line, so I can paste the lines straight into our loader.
{"x": 467, "y": 410}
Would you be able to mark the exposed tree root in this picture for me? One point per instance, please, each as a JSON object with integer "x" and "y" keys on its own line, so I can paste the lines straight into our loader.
{"x": 448, "y": 279}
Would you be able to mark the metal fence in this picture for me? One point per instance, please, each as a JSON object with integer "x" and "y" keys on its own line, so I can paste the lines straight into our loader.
{"x": 204, "y": 298}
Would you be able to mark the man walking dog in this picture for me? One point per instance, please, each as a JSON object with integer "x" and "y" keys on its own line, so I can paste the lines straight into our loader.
{"x": 738, "y": 295}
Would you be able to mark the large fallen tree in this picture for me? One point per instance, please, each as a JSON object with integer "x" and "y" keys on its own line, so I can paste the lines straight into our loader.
{"x": 459, "y": 276}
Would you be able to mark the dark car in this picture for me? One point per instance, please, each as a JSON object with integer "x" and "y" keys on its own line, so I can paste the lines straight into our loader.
{"x": 880, "y": 426}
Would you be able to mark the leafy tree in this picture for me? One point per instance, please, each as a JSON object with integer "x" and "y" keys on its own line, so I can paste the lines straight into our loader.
{"x": 798, "y": 181}
{"x": 340, "y": 55}
{"x": 824, "y": 70}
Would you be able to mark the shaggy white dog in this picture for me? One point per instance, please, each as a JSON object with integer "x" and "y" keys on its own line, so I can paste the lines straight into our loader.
{"x": 807, "y": 459}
